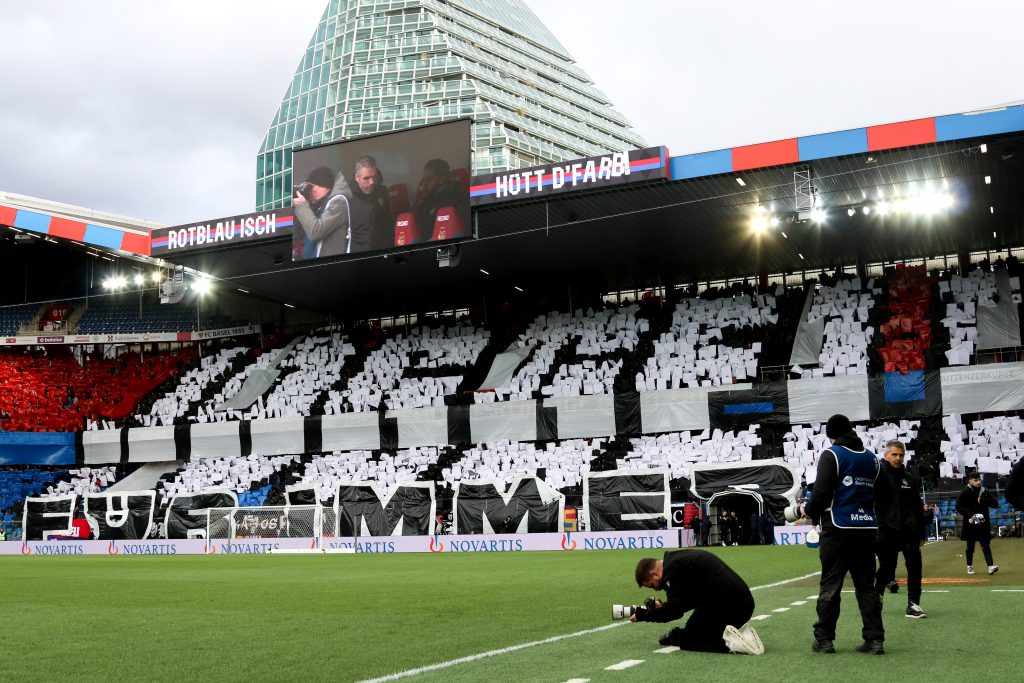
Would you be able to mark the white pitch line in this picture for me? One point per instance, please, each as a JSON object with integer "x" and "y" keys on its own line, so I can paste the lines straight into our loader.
{"x": 625, "y": 664}
{"x": 578, "y": 680}
{"x": 760, "y": 617}
{"x": 798, "y": 603}
{"x": 934, "y": 591}
{"x": 666, "y": 650}
{"x": 490, "y": 653}
{"x": 522, "y": 646}
{"x": 1007, "y": 590}
{"x": 812, "y": 597}
{"x": 780, "y": 610}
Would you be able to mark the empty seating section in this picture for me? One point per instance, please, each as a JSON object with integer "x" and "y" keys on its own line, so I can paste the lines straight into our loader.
{"x": 705, "y": 345}
{"x": 845, "y": 308}
{"x": 411, "y": 371}
{"x": 51, "y": 391}
{"x": 190, "y": 387}
{"x": 13, "y": 317}
{"x": 106, "y": 315}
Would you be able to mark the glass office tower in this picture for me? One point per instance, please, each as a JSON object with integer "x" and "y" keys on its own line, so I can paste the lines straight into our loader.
{"x": 380, "y": 65}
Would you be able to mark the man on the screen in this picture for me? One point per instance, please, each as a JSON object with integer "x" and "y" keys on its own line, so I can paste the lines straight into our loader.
{"x": 321, "y": 206}
{"x": 372, "y": 222}
{"x": 437, "y": 190}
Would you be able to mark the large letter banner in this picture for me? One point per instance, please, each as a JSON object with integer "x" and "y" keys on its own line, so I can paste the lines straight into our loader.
{"x": 188, "y": 514}
{"x": 530, "y": 506}
{"x": 408, "y": 511}
{"x": 121, "y": 515}
{"x": 626, "y": 500}
{"x": 772, "y": 479}
{"x": 49, "y": 516}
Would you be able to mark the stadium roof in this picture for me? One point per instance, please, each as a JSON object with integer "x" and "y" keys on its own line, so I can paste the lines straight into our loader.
{"x": 694, "y": 227}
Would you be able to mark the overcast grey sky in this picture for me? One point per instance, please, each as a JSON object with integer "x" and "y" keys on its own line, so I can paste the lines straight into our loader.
{"x": 156, "y": 109}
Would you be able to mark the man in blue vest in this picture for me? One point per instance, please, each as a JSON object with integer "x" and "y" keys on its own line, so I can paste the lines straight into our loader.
{"x": 843, "y": 503}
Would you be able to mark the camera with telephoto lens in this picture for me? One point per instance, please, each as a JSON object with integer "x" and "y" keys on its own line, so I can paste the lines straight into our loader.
{"x": 794, "y": 512}
{"x": 303, "y": 189}
{"x": 626, "y": 611}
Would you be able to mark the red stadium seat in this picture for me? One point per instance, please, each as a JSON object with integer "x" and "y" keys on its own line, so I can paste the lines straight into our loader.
{"x": 406, "y": 229}
{"x": 448, "y": 224}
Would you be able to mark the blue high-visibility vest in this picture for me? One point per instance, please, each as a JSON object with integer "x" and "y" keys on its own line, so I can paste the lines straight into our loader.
{"x": 853, "y": 504}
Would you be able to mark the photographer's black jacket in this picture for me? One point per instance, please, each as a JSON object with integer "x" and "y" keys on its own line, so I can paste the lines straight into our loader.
{"x": 898, "y": 501}
{"x": 694, "y": 579}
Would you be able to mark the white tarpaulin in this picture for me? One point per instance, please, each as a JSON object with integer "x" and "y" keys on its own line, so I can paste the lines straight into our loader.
{"x": 283, "y": 436}
{"x": 155, "y": 444}
{"x": 350, "y": 431}
{"x": 983, "y": 388}
{"x": 504, "y": 364}
{"x": 257, "y": 383}
{"x": 215, "y": 440}
{"x": 584, "y": 416}
{"x": 815, "y": 399}
{"x": 103, "y": 446}
{"x": 999, "y": 324}
{"x": 808, "y": 339}
{"x": 421, "y": 426}
{"x": 515, "y": 421}
{"x": 674, "y": 410}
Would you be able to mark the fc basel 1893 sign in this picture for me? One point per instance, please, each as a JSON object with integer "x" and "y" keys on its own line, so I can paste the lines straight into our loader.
{"x": 615, "y": 168}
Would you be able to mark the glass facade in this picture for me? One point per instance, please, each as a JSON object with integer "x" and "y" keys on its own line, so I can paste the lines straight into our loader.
{"x": 380, "y": 65}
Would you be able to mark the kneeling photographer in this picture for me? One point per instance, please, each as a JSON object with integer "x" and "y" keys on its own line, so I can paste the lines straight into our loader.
{"x": 697, "y": 580}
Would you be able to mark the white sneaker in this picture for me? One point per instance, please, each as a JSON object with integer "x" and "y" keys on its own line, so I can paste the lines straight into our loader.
{"x": 993, "y": 568}
{"x": 754, "y": 640}
{"x": 736, "y": 642}
{"x": 970, "y": 570}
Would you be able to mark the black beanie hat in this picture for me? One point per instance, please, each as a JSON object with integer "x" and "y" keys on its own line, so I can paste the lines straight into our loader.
{"x": 322, "y": 176}
{"x": 837, "y": 426}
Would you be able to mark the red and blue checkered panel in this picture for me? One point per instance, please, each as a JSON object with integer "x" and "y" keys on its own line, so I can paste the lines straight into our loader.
{"x": 856, "y": 141}
{"x": 88, "y": 233}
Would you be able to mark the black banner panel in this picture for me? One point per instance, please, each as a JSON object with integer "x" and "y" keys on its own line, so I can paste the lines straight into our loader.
{"x": 626, "y": 500}
{"x": 531, "y": 507}
{"x": 190, "y": 515}
{"x": 121, "y": 515}
{"x": 766, "y": 403}
{"x": 50, "y": 516}
{"x": 773, "y": 481}
{"x": 408, "y": 511}
{"x": 911, "y": 396}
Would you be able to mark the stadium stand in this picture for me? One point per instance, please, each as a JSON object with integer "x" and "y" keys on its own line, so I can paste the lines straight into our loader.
{"x": 13, "y": 317}
{"x": 50, "y": 390}
{"x": 106, "y": 315}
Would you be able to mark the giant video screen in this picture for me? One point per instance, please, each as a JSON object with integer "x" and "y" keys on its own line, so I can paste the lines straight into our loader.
{"x": 382, "y": 192}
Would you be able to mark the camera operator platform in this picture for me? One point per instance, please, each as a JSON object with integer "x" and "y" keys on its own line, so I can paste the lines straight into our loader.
{"x": 721, "y": 602}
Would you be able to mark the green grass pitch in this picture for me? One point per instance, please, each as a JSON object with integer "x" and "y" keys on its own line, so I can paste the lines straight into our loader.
{"x": 349, "y": 618}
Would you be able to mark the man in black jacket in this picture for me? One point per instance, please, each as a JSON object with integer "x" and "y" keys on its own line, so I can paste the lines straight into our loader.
{"x": 900, "y": 525}
{"x": 843, "y": 503}
{"x": 721, "y": 602}
{"x": 974, "y": 503}
{"x": 372, "y": 223}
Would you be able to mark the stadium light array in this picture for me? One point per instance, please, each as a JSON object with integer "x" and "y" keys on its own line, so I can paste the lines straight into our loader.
{"x": 156, "y": 277}
{"x": 818, "y": 215}
{"x": 202, "y": 285}
{"x": 140, "y": 279}
{"x": 115, "y": 283}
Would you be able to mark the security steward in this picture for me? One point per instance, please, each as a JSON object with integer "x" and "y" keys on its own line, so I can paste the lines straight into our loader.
{"x": 900, "y": 525}
{"x": 843, "y": 503}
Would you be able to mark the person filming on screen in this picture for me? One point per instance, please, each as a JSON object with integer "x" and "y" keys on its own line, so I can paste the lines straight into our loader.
{"x": 437, "y": 189}
{"x": 321, "y": 206}
{"x": 372, "y": 222}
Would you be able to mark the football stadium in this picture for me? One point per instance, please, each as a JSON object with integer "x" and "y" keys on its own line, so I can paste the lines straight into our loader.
{"x": 478, "y": 350}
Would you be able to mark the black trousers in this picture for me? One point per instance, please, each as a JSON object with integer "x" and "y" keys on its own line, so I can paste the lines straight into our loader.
{"x": 703, "y": 630}
{"x": 982, "y": 535}
{"x": 853, "y": 551}
{"x": 890, "y": 545}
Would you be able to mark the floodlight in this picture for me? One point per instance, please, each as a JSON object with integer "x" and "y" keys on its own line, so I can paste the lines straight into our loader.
{"x": 140, "y": 279}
